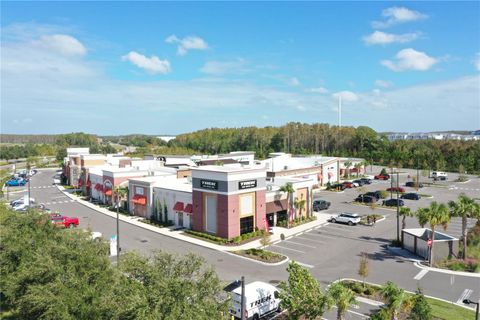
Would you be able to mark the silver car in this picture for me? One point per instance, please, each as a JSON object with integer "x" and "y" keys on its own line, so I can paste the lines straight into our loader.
{"x": 348, "y": 218}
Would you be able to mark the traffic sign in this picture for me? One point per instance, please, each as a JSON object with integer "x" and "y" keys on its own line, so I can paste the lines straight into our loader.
{"x": 429, "y": 242}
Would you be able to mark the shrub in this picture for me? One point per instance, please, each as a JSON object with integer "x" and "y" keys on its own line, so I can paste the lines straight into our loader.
{"x": 357, "y": 288}
{"x": 368, "y": 291}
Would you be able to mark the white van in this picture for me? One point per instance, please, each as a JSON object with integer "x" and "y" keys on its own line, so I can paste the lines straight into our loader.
{"x": 439, "y": 175}
{"x": 261, "y": 299}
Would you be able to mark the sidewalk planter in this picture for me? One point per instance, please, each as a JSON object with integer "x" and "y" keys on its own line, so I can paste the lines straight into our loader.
{"x": 415, "y": 241}
{"x": 261, "y": 255}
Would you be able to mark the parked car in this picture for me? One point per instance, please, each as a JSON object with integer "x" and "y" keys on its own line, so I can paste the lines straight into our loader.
{"x": 413, "y": 184}
{"x": 393, "y": 202}
{"x": 21, "y": 200}
{"x": 366, "y": 180}
{"x": 340, "y": 186}
{"x": 440, "y": 178}
{"x": 348, "y": 218}
{"x": 365, "y": 199}
{"x": 382, "y": 177}
{"x": 410, "y": 196}
{"x": 439, "y": 175}
{"x": 360, "y": 182}
{"x": 320, "y": 205}
{"x": 15, "y": 182}
{"x": 348, "y": 184}
{"x": 395, "y": 189}
{"x": 63, "y": 221}
{"x": 260, "y": 298}
{"x": 372, "y": 194}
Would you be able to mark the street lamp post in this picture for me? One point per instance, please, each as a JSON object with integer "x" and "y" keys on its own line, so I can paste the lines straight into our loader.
{"x": 242, "y": 300}
{"x": 398, "y": 213}
{"x": 468, "y": 301}
{"x": 118, "y": 229}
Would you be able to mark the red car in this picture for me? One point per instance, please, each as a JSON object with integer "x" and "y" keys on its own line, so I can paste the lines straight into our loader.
{"x": 395, "y": 189}
{"x": 63, "y": 221}
{"x": 348, "y": 184}
{"x": 382, "y": 177}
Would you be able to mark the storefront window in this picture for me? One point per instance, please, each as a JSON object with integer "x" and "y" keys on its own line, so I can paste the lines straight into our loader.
{"x": 246, "y": 225}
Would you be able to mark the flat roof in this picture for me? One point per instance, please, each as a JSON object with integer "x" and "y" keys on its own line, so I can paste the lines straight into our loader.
{"x": 183, "y": 184}
{"x": 154, "y": 179}
{"x": 230, "y": 168}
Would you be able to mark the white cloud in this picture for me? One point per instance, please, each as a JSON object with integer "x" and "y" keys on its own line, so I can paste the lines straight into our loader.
{"x": 383, "y": 83}
{"x": 301, "y": 108}
{"x": 63, "y": 44}
{"x": 347, "y": 96}
{"x": 152, "y": 65}
{"x": 379, "y": 37}
{"x": 321, "y": 90}
{"x": 294, "y": 81}
{"x": 397, "y": 15}
{"x": 237, "y": 66}
{"x": 410, "y": 59}
{"x": 477, "y": 62}
{"x": 187, "y": 43}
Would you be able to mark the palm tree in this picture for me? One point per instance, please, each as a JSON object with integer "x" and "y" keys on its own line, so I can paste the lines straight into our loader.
{"x": 395, "y": 298}
{"x": 288, "y": 188}
{"x": 436, "y": 214}
{"x": 340, "y": 296}
{"x": 404, "y": 213}
{"x": 120, "y": 194}
{"x": 358, "y": 166}
{"x": 347, "y": 165}
{"x": 299, "y": 205}
{"x": 465, "y": 207}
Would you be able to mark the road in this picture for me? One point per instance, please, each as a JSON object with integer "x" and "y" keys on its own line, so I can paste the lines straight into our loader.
{"x": 330, "y": 252}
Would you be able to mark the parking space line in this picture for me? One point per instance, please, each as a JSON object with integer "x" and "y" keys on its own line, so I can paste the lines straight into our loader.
{"x": 465, "y": 295}
{"x": 318, "y": 234}
{"x": 420, "y": 275}
{"x": 305, "y": 265}
{"x": 300, "y": 244}
{"x": 308, "y": 239}
{"x": 336, "y": 228}
{"x": 286, "y": 248}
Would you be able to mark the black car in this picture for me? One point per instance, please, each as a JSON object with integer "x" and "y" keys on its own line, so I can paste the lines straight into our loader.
{"x": 413, "y": 184}
{"x": 375, "y": 195}
{"x": 365, "y": 199}
{"x": 339, "y": 186}
{"x": 320, "y": 205}
{"x": 360, "y": 182}
{"x": 440, "y": 178}
{"x": 393, "y": 203}
{"x": 366, "y": 180}
{"x": 411, "y": 196}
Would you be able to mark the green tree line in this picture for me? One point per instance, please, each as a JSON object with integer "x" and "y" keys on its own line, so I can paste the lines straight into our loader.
{"x": 363, "y": 142}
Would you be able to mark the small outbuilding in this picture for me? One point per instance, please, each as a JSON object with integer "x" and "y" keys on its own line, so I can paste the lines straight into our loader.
{"x": 416, "y": 241}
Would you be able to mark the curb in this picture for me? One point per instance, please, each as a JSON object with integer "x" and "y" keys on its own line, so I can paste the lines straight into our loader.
{"x": 260, "y": 262}
{"x": 411, "y": 292}
{"x": 458, "y": 273}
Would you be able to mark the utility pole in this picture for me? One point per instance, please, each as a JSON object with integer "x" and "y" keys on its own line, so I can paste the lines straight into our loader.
{"x": 118, "y": 229}
{"x": 418, "y": 177}
{"x": 391, "y": 182}
{"x": 242, "y": 300}
{"x": 398, "y": 213}
{"x": 28, "y": 177}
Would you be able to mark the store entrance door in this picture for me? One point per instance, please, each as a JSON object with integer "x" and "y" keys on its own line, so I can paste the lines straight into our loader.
{"x": 180, "y": 219}
{"x": 246, "y": 225}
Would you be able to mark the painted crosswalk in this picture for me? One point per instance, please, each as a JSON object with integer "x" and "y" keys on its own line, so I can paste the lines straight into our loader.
{"x": 465, "y": 295}
{"x": 42, "y": 187}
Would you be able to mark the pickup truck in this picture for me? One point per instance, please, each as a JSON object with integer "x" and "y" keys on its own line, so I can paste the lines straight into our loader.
{"x": 63, "y": 221}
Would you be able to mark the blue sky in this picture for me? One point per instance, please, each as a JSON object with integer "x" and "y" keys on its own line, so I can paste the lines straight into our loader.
{"x": 169, "y": 68}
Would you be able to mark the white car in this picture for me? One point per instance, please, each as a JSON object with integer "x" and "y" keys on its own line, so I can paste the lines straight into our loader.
{"x": 355, "y": 184}
{"x": 348, "y": 218}
{"x": 22, "y": 200}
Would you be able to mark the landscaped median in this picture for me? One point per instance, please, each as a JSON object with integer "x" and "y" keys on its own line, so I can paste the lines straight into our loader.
{"x": 237, "y": 241}
{"x": 296, "y": 222}
{"x": 371, "y": 219}
{"x": 441, "y": 310}
{"x": 261, "y": 255}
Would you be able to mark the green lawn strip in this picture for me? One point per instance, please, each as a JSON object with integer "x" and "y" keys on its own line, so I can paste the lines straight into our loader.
{"x": 377, "y": 207}
{"x": 296, "y": 222}
{"x": 261, "y": 255}
{"x": 441, "y": 310}
{"x": 363, "y": 219}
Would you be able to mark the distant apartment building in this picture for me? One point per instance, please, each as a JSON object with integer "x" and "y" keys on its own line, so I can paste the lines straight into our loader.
{"x": 433, "y": 136}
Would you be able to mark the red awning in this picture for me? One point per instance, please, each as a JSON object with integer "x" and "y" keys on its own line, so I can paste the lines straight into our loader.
{"x": 80, "y": 182}
{"x": 139, "y": 199}
{"x": 178, "y": 206}
{"x": 99, "y": 187}
{"x": 188, "y": 209}
{"x": 108, "y": 192}
{"x": 89, "y": 183}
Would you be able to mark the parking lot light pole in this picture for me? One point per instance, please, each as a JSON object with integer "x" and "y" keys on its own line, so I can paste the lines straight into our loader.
{"x": 398, "y": 213}
{"x": 468, "y": 301}
{"x": 242, "y": 300}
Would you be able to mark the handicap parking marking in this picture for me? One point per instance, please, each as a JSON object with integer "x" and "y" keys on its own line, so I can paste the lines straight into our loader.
{"x": 465, "y": 295}
{"x": 286, "y": 248}
{"x": 300, "y": 244}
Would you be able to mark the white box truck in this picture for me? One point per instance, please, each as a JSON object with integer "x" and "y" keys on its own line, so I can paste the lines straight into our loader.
{"x": 261, "y": 299}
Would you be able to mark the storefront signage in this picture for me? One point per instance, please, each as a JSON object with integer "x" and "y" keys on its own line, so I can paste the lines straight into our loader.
{"x": 139, "y": 190}
{"x": 247, "y": 184}
{"x": 209, "y": 184}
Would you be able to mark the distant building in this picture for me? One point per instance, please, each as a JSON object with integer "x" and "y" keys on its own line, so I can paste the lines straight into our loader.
{"x": 435, "y": 136}
{"x": 166, "y": 138}
{"x": 475, "y": 133}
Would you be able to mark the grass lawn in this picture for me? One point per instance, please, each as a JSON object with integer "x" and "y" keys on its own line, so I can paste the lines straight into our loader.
{"x": 447, "y": 311}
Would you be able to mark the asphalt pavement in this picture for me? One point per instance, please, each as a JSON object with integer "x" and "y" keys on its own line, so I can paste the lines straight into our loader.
{"x": 330, "y": 252}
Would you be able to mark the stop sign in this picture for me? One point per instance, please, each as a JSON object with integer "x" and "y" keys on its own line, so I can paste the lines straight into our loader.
{"x": 429, "y": 242}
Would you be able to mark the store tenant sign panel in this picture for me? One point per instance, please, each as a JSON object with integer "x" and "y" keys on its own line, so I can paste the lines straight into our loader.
{"x": 209, "y": 184}
{"x": 247, "y": 184}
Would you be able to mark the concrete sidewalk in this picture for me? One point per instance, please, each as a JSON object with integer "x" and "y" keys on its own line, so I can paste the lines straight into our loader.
{"x": 180, "y": 235}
